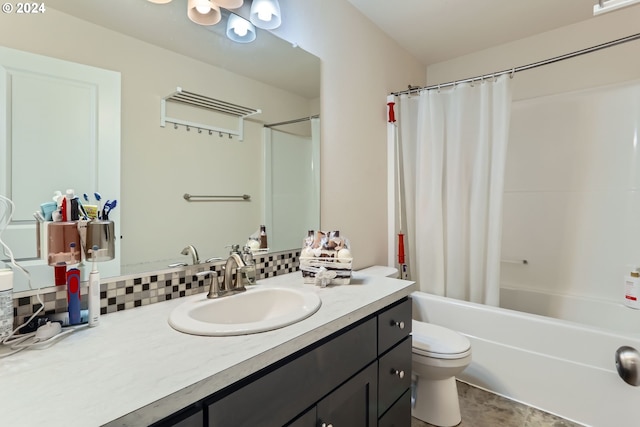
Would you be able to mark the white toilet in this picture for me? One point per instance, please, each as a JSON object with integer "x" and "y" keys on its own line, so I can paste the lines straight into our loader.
{"x": 439, "y": 354}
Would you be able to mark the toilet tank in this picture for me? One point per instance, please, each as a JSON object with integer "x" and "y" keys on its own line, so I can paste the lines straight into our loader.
{"x": 380, "y": 270}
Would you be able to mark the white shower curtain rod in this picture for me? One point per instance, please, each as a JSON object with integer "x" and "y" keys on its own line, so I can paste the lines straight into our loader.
{"x": 524, "y": 67}
{"x": 289, "y": 122}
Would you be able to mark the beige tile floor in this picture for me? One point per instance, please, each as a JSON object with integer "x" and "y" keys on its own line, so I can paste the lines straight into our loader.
{"x": 483, "y": 409}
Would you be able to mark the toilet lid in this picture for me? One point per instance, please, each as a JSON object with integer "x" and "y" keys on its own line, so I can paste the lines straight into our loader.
{"x": 436, "y": 341}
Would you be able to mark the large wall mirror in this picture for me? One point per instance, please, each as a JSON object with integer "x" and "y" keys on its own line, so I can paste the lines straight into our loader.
{"x": 155, "y": 49}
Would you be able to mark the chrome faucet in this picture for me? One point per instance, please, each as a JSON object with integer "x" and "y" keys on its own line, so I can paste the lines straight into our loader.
{"x": 236, "y": 261}
{"x": 194, "y": 253}
{"x": 225, "y": 285}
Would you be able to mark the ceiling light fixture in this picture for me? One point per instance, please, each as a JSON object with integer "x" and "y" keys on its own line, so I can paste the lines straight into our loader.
{"x": 265, "y": 14}
{"x": 604, "y": 6}
{"x": 203, "y": 12}
{"x": 240, "y": 30}
{"x": 229, "y": 4}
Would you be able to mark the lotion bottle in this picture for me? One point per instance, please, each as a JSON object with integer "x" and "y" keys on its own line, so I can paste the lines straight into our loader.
{"x": 632, "y": 290}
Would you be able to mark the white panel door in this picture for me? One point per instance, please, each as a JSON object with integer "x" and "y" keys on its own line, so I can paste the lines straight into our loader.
{"x": 60, "y": 126}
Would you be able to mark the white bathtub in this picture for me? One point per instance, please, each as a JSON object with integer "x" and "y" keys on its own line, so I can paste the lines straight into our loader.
{"x": 559, "y": 366}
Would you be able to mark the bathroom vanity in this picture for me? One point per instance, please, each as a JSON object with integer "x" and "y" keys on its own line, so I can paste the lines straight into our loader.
{"x": 352, "y": 359}
{"x": 349, "y": 378}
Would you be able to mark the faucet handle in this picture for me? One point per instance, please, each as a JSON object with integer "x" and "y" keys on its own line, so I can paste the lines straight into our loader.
{"x": 214, "y": 286}
{"x": 235, "y": 249}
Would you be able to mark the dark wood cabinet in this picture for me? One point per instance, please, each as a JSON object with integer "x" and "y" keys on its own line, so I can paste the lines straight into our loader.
{"x": 352, "y": 404}
{"x": 278, "y": 396}
{"x": 394, "y": 365}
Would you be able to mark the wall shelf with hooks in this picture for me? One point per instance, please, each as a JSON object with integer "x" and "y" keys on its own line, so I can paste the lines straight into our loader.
{"x": 202, "y": 101}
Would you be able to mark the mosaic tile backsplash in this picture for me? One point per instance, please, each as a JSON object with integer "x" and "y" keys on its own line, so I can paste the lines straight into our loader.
{"x": 126, "y": 292}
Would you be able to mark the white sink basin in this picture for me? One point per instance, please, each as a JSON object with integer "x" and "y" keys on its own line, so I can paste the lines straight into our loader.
{"x": 256, "y": 310}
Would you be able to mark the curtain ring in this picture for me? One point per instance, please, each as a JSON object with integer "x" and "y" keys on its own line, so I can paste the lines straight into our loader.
{"x": 438, "y": 87}
{"x": 513, "y": 72}
{"x": 495, "y": 79}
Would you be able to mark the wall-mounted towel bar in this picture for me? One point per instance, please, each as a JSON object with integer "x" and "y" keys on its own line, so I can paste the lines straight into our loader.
{"x": 192, "y": 197}
{"x": 515, "y": 261}
{"x": 202, "y": 101}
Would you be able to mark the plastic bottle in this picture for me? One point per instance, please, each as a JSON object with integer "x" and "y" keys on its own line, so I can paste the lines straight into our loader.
{"x": 94, "y": 291}
{"x": 263, "y": 237}
{"x": 6, "y": 303}
{"x": 632, "y": 290}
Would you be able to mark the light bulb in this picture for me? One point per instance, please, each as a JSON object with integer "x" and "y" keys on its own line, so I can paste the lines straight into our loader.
{"x": 241, "y": 28}
{"x": 203, "y": 9}
{"x": 264, "y": 15}
{"x": 203, "y": 12}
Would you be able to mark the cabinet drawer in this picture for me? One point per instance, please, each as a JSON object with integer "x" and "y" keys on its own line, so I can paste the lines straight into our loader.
{"x": 394, "y": 324}
{"x": 277, "y": 397}
{"x": 394, "y": 375}
{"x": 191, "y": 417}
{"x": 399, "y": 415}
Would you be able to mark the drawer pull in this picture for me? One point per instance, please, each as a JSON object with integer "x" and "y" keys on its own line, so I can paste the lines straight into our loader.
{"x": 398, "y": 373}
{"x": 327, "y": 425}
{"x": 398, "y": 324}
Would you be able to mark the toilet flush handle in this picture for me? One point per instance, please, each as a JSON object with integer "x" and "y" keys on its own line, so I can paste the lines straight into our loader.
{"x": 398, "y": 373}
{"x": 398, "y": 324}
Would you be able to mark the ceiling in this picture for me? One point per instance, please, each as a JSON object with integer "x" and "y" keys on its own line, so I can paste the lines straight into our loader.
{"x": 438, "y": 30}
{"x": 167, "y": 26}
{"x": 431, "y": 30}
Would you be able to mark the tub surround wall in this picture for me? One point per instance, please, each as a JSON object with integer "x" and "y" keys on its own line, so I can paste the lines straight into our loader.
{"x": 571, "y": 202}
{"x": 126, "y": 292}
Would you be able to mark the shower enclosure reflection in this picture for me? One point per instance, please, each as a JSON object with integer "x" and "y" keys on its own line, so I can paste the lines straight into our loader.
{"x": 292, "y": 180}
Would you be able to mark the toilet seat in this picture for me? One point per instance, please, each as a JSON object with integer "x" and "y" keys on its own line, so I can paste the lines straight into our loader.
{"x": 438, "y": 342}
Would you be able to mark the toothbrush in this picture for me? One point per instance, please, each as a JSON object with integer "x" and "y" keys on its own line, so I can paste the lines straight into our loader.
{"x": 94, "y": 290}
{"x": 105, "y": 210}
{"x": 98, "y": 198}
{"x": 108, "y": 207}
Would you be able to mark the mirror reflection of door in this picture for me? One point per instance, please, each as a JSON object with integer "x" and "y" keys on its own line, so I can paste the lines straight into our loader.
{"x": 60, "y": 118}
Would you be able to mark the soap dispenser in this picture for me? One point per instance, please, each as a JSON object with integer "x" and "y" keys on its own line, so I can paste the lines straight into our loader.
{"x": 632, "y": 289}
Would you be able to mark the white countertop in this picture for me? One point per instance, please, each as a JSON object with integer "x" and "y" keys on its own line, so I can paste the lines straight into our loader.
{"x": 134, "y": 369}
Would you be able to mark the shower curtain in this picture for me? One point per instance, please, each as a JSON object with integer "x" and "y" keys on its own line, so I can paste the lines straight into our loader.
{"x": 452, "y": 147}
